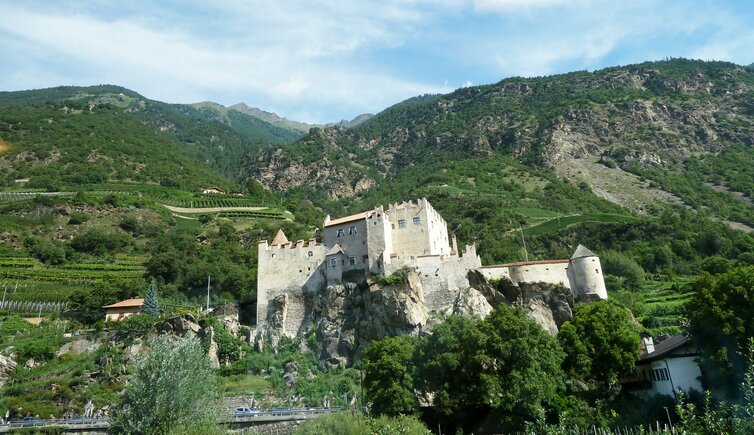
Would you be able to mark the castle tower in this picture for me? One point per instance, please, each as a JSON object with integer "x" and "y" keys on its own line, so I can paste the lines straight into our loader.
{"x": 585, "y": 274}
{"x": 280, "y": 239}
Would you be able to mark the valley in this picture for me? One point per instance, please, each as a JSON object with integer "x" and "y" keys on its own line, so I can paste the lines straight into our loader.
{"x": 104, "y": 191}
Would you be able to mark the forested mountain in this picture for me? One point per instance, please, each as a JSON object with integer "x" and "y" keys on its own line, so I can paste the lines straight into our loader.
{"x": 203, "y": 140}
{"x": 632, "y": 140}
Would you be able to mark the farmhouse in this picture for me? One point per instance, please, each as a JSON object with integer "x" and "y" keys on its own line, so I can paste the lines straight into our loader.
{"x": 384, "y": 240}
{"x": 667, "y": 367}
{"x": 213, "y": 191}
{"x": 122, "y": 309}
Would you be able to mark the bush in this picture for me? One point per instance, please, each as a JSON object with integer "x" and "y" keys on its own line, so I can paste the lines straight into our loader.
{"x": 349, "y": 423}
{"x": 44, "y": 251}
{"x": 172, "y": 391}
{"x": 135, "y": 325}
{"x": 40, "y": 344}
{"x": 98, "y": 242}
{"x": 77, "y": 218}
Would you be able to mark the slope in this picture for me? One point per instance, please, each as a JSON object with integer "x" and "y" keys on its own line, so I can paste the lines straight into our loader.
{"x": 70, "y": 143}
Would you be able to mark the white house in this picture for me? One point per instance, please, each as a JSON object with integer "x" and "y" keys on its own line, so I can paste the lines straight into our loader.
{"x": 667, "y": 367}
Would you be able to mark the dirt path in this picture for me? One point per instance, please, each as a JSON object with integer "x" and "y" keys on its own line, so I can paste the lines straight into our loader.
{"x": 211, "y": 209}
{"x": 4, "y": 146}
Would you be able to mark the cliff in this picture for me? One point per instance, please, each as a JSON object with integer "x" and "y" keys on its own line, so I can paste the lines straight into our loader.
{"x": 346, "y": 318}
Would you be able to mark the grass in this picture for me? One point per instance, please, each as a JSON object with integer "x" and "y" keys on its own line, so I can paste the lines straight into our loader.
{"x": 663, "y": 309}
{"x": 563, "y": 222}
{"x": 244, "y": 385}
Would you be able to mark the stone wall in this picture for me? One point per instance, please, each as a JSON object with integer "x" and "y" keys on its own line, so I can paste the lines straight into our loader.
{"x": 417, "y": 229}
{"x": 443, "y": 277}
{"x": 292, "y": 269}
{"x": 587, "y": 278}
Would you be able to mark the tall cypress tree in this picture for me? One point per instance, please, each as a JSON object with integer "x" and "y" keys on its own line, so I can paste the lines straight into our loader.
{"x": 151, "y": 306}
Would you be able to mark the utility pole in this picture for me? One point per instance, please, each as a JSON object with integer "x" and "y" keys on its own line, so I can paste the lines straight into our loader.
{"x": 523, "y": 240}
{"x": 209, "y": 278}
{"x": 5, "y": 290}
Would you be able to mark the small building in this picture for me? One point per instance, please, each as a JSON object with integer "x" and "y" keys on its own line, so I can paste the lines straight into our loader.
{"x": 213, "y": 191}
{"x": 667, "y": 367}
{"x": 122, "y": 309}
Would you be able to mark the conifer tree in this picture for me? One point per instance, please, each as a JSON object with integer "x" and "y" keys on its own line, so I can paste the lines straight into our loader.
{"x": 151, "y": 306}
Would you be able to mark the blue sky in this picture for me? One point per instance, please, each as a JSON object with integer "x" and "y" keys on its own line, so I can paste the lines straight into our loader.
{"x": 321, "y": 61}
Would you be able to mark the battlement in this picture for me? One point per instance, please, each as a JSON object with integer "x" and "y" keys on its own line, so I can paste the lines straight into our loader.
{"x": 300, "y": 244}
{"x": 384, "y": 240}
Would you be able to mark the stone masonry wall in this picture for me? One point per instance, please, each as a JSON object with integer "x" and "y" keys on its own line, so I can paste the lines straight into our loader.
{"x": 288, "y": 269}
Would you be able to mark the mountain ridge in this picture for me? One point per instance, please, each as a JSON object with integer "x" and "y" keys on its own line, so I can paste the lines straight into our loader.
{"x": 626, "y": 120}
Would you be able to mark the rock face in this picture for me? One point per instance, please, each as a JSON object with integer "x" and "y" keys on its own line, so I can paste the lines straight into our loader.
{"x": 348, "y": 316}
{"x": 79, "y": 346}
{"x": 7, "y": 366}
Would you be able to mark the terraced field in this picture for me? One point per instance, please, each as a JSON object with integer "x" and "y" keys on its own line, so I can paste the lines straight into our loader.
{"x": 26, "y": 279}
{"x": 663, "y": 307}
{"x": 561, "y": 222}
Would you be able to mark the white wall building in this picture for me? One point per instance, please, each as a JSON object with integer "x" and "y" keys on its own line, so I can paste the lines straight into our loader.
{"x": 382, "y": 241}
{"x": 667, "y": 367}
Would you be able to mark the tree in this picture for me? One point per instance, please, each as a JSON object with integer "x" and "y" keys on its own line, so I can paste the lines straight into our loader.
{"x": 173, "y": 390}
{"x": 601, "y": 342}
{"x": 496, "y": 366}
{"x": 721, "y": 317}
{"x": 151, "y": 306}
{"x": 388, "y": 379}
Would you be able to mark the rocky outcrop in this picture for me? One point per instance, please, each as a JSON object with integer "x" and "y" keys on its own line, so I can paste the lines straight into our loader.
{"x": 180, "y": 325}
{"x": 79, "y": 346}
{"x": 7, "y": 367}
{"x": 550, "y": 305}
{"x": 348, "y": 316}
{"x": 208, "y": 334}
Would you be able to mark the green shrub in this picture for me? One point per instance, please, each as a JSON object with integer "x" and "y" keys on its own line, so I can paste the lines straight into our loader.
{"x": 99, "y": 242}
{"x": 77, "y": 218}
{"x": 135, "y": 325}
{"x": 351, "y": 423}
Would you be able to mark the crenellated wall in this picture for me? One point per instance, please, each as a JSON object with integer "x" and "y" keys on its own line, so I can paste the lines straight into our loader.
{"x": 412, "y": 235}
{"x": 293, "y": 269}
{"x": 442, "y": 277}
{"x": 582, "y": 275}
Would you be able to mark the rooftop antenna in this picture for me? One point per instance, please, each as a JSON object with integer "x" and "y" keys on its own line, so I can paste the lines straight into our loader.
{"x": 208, "y": 282}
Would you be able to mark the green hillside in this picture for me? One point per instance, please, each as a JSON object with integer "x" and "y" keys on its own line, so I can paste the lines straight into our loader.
{"x": 72, "y": 143}
{"x": 216, "y": 140}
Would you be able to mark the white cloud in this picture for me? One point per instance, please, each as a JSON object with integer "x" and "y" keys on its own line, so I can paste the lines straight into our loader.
{"x": 513, "y": 5}
{"x": 328, "y": 60}
{"x": 277, "y": 58}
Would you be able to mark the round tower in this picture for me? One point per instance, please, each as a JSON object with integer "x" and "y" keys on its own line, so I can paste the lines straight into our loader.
{"x": 585, "y": 274}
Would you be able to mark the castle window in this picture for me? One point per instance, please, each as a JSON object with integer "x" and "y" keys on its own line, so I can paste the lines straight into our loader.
{"x": 333, "y": 262}
{"x": 273, "y": 255}
{"x": 597, "y": 271}
{"x": 417, "y": 221}
{"x": 352, "y": 261}
{"x": 341, "y": 232}
{"x": 352, "y": 230}
{"x": 311, "y": 253}
{"x": 401, "y": 223}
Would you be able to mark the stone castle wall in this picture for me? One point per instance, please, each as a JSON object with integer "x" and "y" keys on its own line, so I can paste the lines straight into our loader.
{"x": 442, "y": 277}
{"x": 582, "y": 275}
{"x": 291, "y": 270}
{"x": 586, "y": 277}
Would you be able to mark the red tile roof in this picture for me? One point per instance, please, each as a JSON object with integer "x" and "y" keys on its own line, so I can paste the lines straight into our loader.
{"x": 128, "y": 303}
{"x": 353, "y": 217}
{"x": 525, "y": 263}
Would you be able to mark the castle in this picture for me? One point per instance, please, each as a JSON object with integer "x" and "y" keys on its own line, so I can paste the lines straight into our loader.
{"x": 382, "y": 241}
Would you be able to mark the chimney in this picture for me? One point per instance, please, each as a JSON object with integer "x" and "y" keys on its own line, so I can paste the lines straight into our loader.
{"x": 648, "y": 344}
